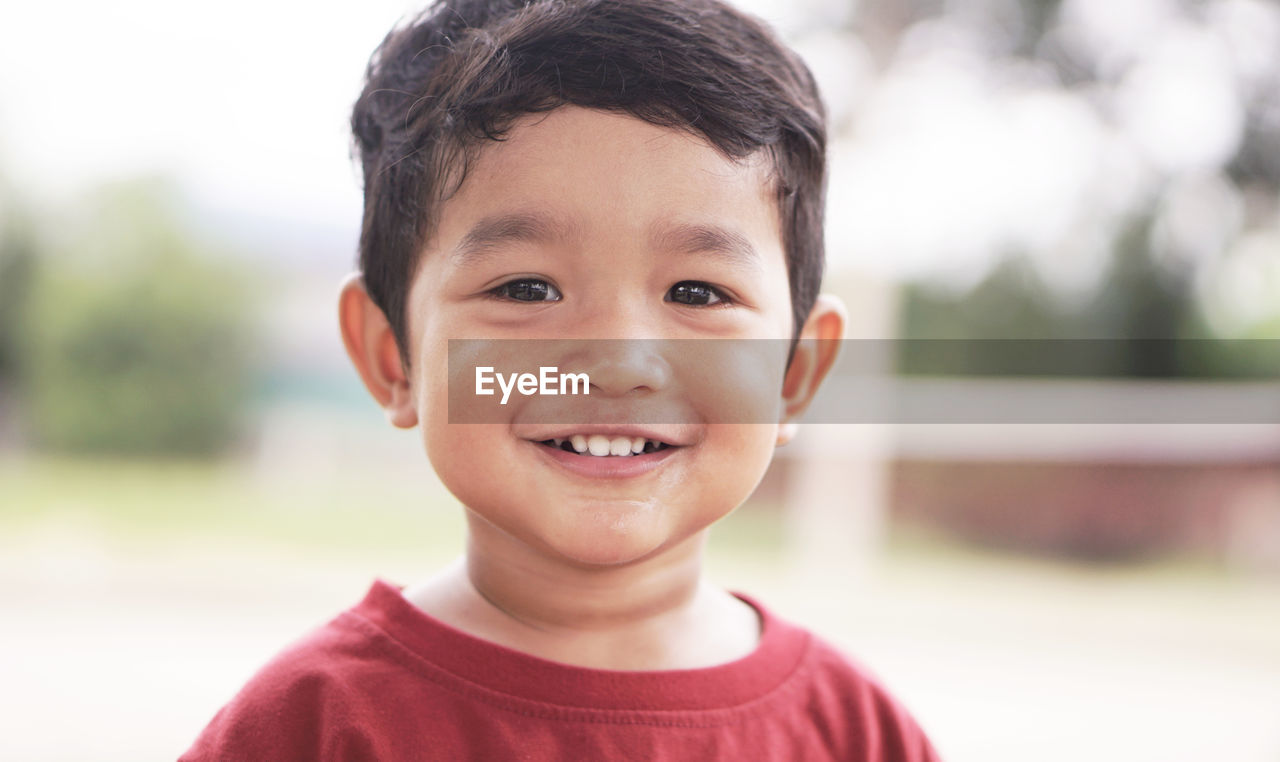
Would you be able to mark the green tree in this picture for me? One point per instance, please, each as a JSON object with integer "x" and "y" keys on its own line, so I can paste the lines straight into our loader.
{"x": 17, "y": 270}
{"x": 139, "y": 340}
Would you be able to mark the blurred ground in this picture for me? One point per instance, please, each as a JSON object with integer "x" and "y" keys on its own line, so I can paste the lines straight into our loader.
{"x": 135, "y": 605}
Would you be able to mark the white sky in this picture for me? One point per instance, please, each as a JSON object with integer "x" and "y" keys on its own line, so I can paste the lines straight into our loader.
{"x": 245, "y": 102}
{"x": 953, "y": 160}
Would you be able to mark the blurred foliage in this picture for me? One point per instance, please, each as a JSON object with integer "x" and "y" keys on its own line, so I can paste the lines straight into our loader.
{"x": 1146, "y": 304}
{"x": 136, "y": 339}
{"x": 1141, "y": 321}
{"x": 17, "y": 270}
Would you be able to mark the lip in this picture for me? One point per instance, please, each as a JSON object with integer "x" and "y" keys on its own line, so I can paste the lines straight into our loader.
{"x": 678, "y": 436}
{"x": 610, "y": 467}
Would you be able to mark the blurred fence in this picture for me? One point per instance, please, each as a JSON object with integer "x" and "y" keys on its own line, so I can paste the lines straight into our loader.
{"x": 1092, "y": 491}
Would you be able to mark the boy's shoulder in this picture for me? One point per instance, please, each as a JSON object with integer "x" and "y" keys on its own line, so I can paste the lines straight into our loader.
{"x": 854, "y": 708}
{"x": 309, "y": 701}
{"x": 385, "y": 681}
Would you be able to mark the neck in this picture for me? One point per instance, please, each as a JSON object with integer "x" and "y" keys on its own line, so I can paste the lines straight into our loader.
{"x": 550, "y": 595}
{"x": 652, "y": 613}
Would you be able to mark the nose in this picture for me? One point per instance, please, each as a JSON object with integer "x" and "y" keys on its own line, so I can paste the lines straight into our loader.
{"x": 620, "y": 349}
{"x": 620, "y": 367}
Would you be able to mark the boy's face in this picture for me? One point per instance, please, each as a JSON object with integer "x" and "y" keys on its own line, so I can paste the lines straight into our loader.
{"x": 581, "y": 225}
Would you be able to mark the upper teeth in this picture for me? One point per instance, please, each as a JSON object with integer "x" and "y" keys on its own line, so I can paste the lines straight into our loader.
{"x": 601, "y": 445}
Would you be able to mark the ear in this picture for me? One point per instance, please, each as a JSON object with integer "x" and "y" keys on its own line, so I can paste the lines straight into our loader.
{"x": 815, "y": 354}
{"x": 371, "y": 345}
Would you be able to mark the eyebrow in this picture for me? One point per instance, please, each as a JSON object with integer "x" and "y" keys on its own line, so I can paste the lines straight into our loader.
{"x": 692, "y": 238}
{"x": 490, "y": 233}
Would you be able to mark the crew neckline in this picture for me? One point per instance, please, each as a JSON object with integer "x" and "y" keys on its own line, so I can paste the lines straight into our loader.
{"x": 777, "y": 655}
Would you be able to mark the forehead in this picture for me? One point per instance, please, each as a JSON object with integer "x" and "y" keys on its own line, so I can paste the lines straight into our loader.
{"x": 597, "y": 176}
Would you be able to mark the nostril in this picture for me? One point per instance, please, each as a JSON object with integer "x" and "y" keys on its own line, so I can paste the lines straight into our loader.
{"x": 620, "y": 367}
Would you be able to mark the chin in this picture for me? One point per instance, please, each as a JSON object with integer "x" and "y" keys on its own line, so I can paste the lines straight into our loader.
{"x": 606, "y": 556}
{"x": 609, "y": 538}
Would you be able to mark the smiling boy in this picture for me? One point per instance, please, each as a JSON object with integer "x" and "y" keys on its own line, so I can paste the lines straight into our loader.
{"x": 625, "y": 173}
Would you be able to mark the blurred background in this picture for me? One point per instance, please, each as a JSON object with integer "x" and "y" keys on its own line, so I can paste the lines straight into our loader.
{"x": 191, "y": 474}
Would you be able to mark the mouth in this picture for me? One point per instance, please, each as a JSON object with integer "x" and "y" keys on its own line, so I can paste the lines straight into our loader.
{"x": 604, "y": 446}
{"x": 608, "y": 454}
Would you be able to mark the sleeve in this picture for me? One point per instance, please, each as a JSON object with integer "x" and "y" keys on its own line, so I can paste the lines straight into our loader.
{"x": 292, "y": 709}
{"x": 859, "y": 717}
{"x": 902, "y": 738}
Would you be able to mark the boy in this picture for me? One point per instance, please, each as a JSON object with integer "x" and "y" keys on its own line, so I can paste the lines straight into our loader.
{"x": 583, "y": 169}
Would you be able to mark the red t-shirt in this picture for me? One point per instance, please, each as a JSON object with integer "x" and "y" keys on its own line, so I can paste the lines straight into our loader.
{"x": 385, "y": 681}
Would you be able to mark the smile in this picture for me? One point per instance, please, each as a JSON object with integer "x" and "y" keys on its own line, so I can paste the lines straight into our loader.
{"x": 609, "y": 455}
{"x": 602, "y": 446}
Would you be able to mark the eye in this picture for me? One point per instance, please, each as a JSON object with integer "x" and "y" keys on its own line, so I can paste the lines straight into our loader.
{"x": 527, "y": 290}
{"x": 695, "y": 294}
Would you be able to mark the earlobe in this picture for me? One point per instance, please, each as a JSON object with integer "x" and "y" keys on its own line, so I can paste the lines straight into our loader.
{"x": 786, "y": 432}
{"x": 815, "y": 354}
{"x": 371, "y": 345}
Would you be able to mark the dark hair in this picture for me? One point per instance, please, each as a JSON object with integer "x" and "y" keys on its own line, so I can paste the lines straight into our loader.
{"x": 464, "y": 70}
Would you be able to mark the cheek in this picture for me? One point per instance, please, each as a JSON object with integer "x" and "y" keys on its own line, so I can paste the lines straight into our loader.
{"x": 736, "y": 463}
{"x": 461, "y": 454}
{"x": 458, "y": 454}
{"x": 431, "y": 385}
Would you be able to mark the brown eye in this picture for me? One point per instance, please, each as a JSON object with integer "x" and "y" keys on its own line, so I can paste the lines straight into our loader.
{"x": 527, "y": 290}
{"x": 694, "y": 294}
